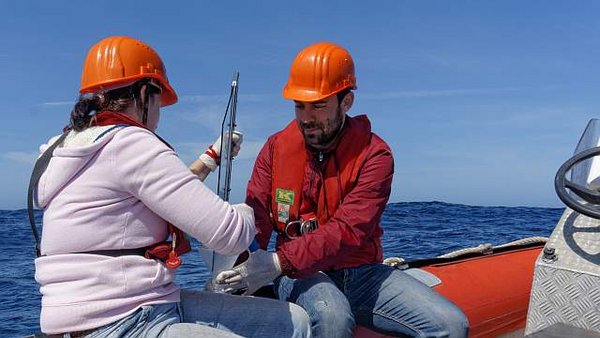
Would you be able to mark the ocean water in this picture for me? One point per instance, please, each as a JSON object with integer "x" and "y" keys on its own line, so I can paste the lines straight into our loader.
{"x": 412, "y": 230}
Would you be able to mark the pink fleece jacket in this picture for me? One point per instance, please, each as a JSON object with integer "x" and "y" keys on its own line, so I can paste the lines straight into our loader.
{"x": 116, "y": 193}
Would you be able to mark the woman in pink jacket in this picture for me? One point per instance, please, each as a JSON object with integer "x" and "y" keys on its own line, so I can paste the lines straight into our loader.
{"x": 112, "y": 191}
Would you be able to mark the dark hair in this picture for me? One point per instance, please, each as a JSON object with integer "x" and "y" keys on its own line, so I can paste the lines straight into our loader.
{"x": 341, "y": 95}
{"x": 117, "y": 100}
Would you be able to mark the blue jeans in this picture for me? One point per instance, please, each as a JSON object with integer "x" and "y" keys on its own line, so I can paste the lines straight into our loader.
{"x": 375, "y": 296}
{"x": 206, "y": 314}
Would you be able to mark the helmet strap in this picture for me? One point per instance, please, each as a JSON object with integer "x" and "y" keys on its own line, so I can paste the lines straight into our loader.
{"x": 145, "y": 115}
{"x": 341, "y": 125}
{"x": 145, "y": 107}
{"x": 339, "y": 131}
{"x": 340, "y": 110}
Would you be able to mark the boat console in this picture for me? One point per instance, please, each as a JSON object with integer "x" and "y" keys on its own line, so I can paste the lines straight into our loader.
{"x": 566, "y": 283}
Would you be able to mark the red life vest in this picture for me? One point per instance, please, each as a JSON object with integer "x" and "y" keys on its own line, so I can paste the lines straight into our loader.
{"x": 340, "y": 173}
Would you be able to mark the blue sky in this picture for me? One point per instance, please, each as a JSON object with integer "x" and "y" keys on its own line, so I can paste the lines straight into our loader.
{"x": 480, "y": 101}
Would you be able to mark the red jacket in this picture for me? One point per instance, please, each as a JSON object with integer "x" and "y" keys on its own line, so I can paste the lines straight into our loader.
{"x": 349, "y": 233}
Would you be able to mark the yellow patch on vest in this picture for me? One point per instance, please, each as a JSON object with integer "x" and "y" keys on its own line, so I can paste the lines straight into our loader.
{"x": 284, "y": 196}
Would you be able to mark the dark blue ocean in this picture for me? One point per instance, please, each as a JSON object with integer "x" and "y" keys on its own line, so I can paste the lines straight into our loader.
{"x": 412, "y": 230}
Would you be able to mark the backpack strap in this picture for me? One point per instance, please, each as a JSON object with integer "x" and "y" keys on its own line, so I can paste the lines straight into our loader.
{"x": 166, "y": 251}
{"x": 38, "y": 169}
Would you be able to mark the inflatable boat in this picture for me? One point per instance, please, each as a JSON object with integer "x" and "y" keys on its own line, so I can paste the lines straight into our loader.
{"x": 491, "y": 285}
{"x": 530, "y": 288}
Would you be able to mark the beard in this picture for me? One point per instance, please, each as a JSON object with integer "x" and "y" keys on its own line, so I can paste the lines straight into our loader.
{"x": 319, "y": 135}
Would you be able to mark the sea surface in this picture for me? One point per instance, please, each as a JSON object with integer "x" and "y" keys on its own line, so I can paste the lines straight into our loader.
{"x": 412, "y": 230}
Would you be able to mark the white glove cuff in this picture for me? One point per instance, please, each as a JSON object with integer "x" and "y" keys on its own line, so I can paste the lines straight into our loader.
{"x": 210, "y": 162}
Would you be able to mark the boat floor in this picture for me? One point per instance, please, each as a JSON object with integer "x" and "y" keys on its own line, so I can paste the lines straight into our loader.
{"x": 561, "y": 330}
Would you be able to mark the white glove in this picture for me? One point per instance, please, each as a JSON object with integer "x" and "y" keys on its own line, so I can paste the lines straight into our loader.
{"x": 261, "y": 268}
{"x": 212, "y": 156}
{"x": 244, "y": 209}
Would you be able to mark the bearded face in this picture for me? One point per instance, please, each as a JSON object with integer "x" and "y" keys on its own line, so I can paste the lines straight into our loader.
{"x": 319, "y": 121}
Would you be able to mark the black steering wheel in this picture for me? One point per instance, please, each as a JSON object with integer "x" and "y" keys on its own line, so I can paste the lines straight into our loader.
{"x": 561, "y": 184}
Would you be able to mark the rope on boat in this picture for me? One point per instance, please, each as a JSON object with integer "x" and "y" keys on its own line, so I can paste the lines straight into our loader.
{"x": 487, "y": 248}
{"x": 483, "y": 249}
{"x": 523, "y": 241}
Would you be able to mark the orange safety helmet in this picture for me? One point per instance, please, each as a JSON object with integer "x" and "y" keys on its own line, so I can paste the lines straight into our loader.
{"x": 319, "y": 71}
{"x": 120, "y": 61}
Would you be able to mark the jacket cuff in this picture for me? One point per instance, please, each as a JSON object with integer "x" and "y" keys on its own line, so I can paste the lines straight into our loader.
{"x": 286, "y": 266}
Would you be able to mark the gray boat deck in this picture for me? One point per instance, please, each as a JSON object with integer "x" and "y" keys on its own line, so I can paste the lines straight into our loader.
{"x": 561, "y": 330}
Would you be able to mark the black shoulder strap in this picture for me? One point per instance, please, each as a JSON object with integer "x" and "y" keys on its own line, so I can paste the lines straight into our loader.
{"x": 38, "y": 170}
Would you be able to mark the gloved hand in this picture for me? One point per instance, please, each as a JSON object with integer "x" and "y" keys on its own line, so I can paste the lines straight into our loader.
{"x": 261, "y": 268}
{"x": 212, "y": 156}
{"x": 244, "y": 209}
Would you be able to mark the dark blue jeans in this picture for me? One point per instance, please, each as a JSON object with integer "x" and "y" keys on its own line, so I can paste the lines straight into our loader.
{"x": 376, "y": 296}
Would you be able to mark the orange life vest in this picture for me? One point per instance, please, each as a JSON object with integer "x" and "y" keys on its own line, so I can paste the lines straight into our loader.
{"x": 290, "y": 156}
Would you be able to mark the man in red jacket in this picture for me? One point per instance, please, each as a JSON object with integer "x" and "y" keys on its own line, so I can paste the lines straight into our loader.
{"x": 322, "y": 184}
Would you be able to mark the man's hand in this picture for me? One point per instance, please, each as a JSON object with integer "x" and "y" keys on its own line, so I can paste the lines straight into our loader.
{"x": 212, "y": 156}
{"x": 261, "y": 268}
